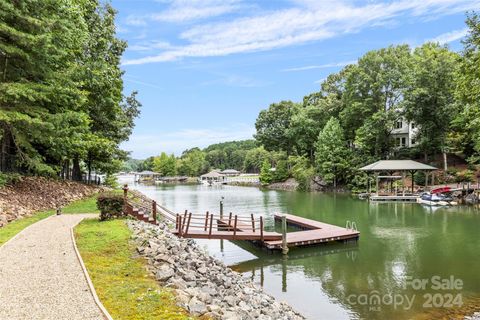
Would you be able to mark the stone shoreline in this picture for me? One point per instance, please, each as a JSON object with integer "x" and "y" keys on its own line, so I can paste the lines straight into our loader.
{"x": 204, "y": 286}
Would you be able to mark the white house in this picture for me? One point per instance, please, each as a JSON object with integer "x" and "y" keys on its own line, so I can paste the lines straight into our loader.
{"x": 404, "y": 133}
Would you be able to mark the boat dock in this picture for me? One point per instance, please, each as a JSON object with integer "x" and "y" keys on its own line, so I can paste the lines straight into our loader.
{"x": 410, "y": 198}
{"x": 242, "y": 227}
{"x": 313, "y": 232}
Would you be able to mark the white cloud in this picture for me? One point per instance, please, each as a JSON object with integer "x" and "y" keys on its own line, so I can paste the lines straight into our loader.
{"x": 321, "y": 66}
{"x": 143, "y": 146}
{"x": 150, "y": 45}
{"x": 308, "y": 22}
{"x": 451, "y": 36}
{"x": 183, "y": 10}
{"x": 135, "y": 20}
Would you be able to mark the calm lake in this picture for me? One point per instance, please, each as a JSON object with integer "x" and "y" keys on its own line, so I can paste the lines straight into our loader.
{"x": 387, "y": 274}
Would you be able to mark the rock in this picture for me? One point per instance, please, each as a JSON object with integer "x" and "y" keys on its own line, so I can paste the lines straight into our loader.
{"x": 197, "y": 307}
{"x": 230, "y": 315}
{"x": 203, "y": 285}
{"x": 182, "y": 298}
{"x": 231, "y": 300}
{"x": 164, "y": 272}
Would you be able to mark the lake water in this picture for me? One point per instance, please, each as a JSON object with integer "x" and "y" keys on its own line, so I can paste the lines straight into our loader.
{"x": 379, "y": 277}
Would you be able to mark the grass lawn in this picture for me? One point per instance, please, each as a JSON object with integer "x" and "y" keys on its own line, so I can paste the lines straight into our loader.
{"x": 121, "y": 279}
{"x": 87, "y": 205}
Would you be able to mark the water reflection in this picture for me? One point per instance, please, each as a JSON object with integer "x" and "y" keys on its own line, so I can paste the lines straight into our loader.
{"x": 398, "y": 240}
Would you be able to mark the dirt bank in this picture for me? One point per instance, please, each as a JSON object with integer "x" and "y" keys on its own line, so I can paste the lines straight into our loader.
{"x": 32, "y": 194}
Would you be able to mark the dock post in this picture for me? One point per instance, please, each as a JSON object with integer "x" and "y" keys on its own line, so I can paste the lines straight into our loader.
{"x": 154, "y": 211}
{"x": 211, "y": 224}
{"x": 206, "y": 221}
{"x": 180, "y": 226}
{"x": 221, "y": 209}
{"x": 284, "y": 235}
{"x": 261, "y": 229}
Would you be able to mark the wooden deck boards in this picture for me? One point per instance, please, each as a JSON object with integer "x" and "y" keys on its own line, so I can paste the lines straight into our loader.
{"x": 317, "y": 232}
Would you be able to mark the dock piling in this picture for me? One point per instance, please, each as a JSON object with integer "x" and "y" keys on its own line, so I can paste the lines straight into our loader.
{"x": 284, "y": 235}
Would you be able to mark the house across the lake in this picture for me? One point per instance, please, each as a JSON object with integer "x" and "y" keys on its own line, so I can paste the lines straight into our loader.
{"x": 404, "y": 133}
{"x": 212, "y": 178}
{"x": 230, "y": 172}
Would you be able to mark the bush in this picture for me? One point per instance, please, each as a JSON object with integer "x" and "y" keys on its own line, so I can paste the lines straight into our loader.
{"x": 111, "y": 181}
{"x": 9, "y": 178}
{"x": 110, "y": 205}
{"x": 464, "y": 176}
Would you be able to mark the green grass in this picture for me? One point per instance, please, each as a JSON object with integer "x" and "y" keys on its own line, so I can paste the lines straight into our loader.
{"x": 121, "y": 279}
{"x": 87, "y": 205}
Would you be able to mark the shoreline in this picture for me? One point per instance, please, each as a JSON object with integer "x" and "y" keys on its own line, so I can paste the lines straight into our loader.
{"x": 203, "y": 285}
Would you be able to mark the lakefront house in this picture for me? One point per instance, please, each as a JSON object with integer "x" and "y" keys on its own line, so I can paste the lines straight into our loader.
{"x": 404, "y": 133}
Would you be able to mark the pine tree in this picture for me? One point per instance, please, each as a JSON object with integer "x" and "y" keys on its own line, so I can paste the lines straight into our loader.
{"x": 332, "y": 154}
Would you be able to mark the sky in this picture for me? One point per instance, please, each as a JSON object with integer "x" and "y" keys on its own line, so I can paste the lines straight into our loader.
{"x": 205, "y": 68}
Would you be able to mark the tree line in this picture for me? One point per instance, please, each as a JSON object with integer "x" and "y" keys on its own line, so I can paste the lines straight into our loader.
{"x": 62, "y": 110}
{"x": 348, "y": 123}
{"x": 246, "y": 156}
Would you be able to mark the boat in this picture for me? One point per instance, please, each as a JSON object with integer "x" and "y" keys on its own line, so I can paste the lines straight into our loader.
{"x": 435, "y": 199}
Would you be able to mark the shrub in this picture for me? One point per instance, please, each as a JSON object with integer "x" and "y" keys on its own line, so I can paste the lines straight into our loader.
{"x": 9, "y": 178}
{"x": 464, "y": 176}
{"x": 111, "y": 181}
{"x": 110, "y": 205}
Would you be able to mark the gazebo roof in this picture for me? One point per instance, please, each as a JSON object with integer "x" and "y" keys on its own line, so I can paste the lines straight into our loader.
{"x": 230, "y": 171}
{"x": 146, "y": 172}
{"x": 397, "y": 165}
{"x": 212, "y": 174}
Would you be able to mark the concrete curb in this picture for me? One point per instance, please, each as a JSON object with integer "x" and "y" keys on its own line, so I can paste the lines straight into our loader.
{"x": 87, "y": 277}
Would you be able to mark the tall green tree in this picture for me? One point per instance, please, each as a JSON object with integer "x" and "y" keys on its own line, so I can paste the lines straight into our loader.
{"x": 165, "y": 165}
{"x": 332, "y": 154}
{"x": 266, "y": 174}
{"x": 429, "y": 99}
{"x": 273, "y": 125}
{"x": 254, "y": 159}
{"x": 192, "y": 163}
{"x": 466, "y": 133}
{"x": 40, "y": 45}
{"x": 373, "y": 95}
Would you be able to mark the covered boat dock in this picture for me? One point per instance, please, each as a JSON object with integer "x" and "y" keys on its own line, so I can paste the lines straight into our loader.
{"x": 389, "y": 167}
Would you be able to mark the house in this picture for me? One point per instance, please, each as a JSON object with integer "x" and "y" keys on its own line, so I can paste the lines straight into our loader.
{"x": 404, "y": 133}
{"x": 230, "y": 172}
{"x": 211, "y": 178}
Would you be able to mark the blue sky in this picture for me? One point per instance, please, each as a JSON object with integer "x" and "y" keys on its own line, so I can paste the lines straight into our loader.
{"x": 205, "y": 68}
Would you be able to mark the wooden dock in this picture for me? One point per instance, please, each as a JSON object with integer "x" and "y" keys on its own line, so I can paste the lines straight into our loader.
{"x": 240, "y": 227}
{"x": 314, "y": 232}
{"x": 411, "y": 198}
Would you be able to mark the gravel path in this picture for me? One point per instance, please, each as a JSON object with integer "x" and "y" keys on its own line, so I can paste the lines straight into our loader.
{"x": 41, "y": 277}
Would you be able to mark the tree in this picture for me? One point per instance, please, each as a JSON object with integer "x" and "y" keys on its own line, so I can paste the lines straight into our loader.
{"x": 266, "y": 176}
{"x": 373, "y": 95}
{"x": 254, "y": 159}
{"x": 281, "y": 171}
{"x": 273, "y": 126}
{"x": 165, "y": 165}
{"x": 192, "y": 163}
{"x": 467, "y": 123}
{"x": 332, "y": 154}
{"x": 61, "y": 102}
{"x": 40, "y": 46}
{"x": 429, "y": 99}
